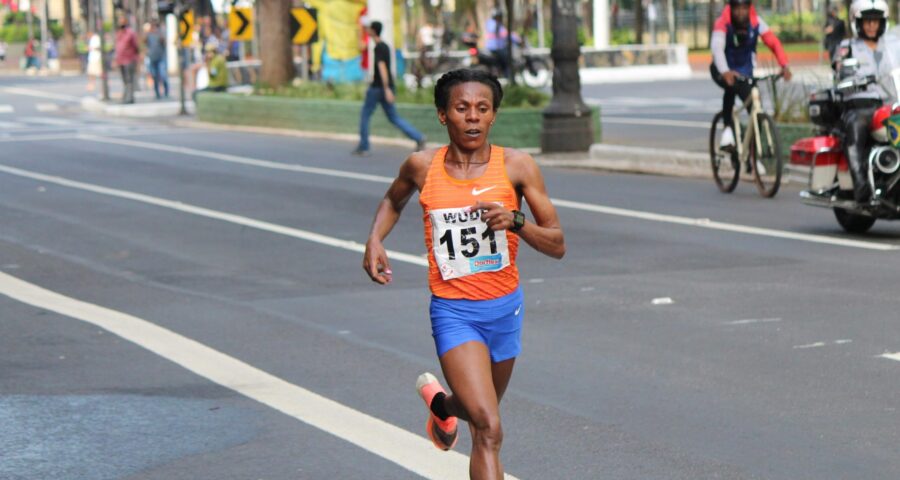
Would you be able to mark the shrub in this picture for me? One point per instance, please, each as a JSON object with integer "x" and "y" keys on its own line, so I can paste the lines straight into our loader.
{"x": 514, "y": 96}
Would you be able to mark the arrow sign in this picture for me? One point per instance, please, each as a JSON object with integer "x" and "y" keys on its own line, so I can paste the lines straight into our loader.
{"x": 240, "y": 23}
{"x": 304, "y": 27}
{"x": 186, "y": 27}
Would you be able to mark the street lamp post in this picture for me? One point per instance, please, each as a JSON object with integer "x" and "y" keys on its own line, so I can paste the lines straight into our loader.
{"x": 567, "y": 121}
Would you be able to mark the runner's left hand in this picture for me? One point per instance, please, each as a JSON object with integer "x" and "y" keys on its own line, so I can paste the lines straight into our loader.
{"x": 494, "y": 215}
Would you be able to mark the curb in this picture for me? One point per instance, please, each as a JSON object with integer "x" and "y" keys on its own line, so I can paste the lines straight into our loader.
{"x": 626, "y": 159}
{"x": 613, "y": 158}
{"x": 135, "y": 110}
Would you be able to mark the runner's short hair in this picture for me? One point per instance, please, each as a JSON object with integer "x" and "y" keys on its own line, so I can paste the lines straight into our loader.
{"x": 464, "y": 75}
{"x": 376, "y": 26}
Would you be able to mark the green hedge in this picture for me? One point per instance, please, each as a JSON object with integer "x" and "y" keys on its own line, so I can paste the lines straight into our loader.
{"x": 515, "y": 127}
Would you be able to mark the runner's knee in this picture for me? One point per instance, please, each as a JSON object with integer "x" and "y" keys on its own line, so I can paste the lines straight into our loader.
{"x": 487, "y": 431}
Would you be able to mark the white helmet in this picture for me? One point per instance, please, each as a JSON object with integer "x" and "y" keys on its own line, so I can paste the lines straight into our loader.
{"x": 868, "y": 9}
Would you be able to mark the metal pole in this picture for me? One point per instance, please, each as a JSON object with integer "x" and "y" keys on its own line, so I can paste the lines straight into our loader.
{"x": 103, "y": 64}
{"x": 568, "y": 123}
{"x": 540, "y": 22}
{"x": 601, "y": 23}
{"x": 182, "y": 54}
{"x": 44, "y": 36}
{"x": 670, "y": 13}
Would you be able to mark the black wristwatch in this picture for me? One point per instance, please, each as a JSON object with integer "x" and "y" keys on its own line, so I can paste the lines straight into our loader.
{"x": 518, "y": 221}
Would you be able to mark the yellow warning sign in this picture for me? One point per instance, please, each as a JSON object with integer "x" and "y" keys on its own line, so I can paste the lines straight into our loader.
{"x": 186, "y": 28}
{"x": 304, "y": 27}
{"x": 240, "y": 23}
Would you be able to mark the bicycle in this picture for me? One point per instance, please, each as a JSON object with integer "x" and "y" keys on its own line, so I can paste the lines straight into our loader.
{"x": 759, "y": 148}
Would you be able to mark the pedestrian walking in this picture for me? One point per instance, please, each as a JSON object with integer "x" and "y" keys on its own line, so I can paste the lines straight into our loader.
{"x": 31, "y": 55}
{"x": 471, "y": 194}
{"x": 127, "y": 55}
{"x": 835, "y": 30}
{"x": 156, "y": 57}
{"x": 381, "y": 91}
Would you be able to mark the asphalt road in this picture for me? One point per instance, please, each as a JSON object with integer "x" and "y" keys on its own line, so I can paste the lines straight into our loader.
{"x": 277, "y": 358}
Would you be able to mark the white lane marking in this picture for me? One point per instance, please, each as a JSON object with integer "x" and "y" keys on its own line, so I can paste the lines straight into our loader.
{"x": 7, "y": 109}
{"x": 891, "y": 356}
{"x": 659, "y": 122}
{"x": 40, "y": 94}
{"x": 214, "y": 214}
{"x": 687, "y": 221}
{"x": 48, "y": 121}
{"x": 749, "y": 321}
{"x": 11, "y": 125}
{"x": 110, "y": 131}
{"x": 410, "y": 451}
{"x": 729, "y": 227}
{"x": 662, "y": 301}
{"x": 822, "y": 344}
{"x": 47, "y": 107}
{"x": 242, "y": 160}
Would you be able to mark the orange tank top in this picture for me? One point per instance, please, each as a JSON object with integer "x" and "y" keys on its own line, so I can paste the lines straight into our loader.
{"x": 466, "y": 260}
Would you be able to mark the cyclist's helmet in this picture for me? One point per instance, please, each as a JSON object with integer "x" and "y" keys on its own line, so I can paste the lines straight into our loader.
{"x": 868, "y": 10}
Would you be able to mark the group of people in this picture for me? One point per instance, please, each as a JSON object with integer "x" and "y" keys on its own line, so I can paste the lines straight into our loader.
{"x": 874, "y": 49}
{"x": 148, "y": 52}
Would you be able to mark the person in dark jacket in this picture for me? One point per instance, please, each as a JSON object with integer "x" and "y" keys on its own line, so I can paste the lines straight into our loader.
{"x": 835, "y": 30}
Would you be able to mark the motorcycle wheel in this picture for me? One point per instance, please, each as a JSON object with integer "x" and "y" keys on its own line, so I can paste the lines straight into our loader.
{"x": 538, "y": 76}
{"x": 852, "y": 222}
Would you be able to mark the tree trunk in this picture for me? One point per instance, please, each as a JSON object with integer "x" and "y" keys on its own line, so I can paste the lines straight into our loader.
{"x": 638, "y": 21}
{"x": 67, "y": 46}
{"x": 275, "y": 42}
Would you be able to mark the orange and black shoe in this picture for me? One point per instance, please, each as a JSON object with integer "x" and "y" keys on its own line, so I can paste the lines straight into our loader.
{"x": 443, "y": 433}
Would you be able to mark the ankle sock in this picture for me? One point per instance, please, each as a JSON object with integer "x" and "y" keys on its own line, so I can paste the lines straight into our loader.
{"x": 437, "y": 406}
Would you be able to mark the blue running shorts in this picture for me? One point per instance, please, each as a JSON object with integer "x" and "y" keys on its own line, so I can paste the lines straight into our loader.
{"x": 496, "y": 323}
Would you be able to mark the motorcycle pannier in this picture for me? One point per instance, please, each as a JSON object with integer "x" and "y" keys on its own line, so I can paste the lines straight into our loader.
{"x": 824, "y": 111}
{"x": 816, "y": 160}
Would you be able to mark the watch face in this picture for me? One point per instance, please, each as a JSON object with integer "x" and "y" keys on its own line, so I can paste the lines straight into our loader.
{"x": 518, "y": 220}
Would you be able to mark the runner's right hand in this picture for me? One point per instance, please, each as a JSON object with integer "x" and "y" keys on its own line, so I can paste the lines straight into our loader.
{"x": 375, "y": 263}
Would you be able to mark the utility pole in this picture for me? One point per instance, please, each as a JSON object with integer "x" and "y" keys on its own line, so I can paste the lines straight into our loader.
{"x": 45, "y": 39}
{"x": 98, "y": 18}
{"x": 567, "y": 125}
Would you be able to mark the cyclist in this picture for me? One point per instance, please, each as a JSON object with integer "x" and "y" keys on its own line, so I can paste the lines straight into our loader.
{"x": 877, "y": 55}
{"x": 733, "y": 46}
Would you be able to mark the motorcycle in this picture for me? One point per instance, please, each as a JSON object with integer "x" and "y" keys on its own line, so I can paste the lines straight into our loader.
{"x": 824, "y": 166}
{"x": 528, "y": 68}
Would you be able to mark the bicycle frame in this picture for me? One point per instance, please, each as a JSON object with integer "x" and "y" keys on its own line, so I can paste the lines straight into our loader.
{"x": 754, "y": 103}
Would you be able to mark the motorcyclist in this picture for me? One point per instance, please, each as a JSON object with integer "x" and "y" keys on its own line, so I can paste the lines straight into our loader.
{"x": 877, "y": 54}
{"x": 497, "y": 38}
{"x": 733, "y": 44}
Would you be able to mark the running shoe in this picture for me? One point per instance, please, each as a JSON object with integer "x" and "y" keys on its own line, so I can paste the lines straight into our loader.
{"x": 443, "y": 433}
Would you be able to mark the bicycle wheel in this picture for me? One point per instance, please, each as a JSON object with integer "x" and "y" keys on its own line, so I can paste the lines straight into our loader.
{"x": 726, "y": 168}
{"x": 766, "y": 164}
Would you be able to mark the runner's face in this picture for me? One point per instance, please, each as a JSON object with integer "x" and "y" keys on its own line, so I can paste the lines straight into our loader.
{"x": 469, "y": 114}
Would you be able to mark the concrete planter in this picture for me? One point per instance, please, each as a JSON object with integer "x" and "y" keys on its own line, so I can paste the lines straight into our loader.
{"x": 515, "y": 127}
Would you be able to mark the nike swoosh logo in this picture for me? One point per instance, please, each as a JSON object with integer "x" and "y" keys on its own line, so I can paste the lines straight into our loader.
{"x": 517, "y": 310}
{"x": 476, "y": 192}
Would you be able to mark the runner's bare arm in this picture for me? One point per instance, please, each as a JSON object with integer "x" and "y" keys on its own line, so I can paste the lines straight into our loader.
{"x": 408, "y": 181}
{"x": 545, "y": 233}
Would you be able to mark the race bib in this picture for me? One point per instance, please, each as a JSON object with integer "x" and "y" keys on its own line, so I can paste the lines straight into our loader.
{"x": 463, "y": 244}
